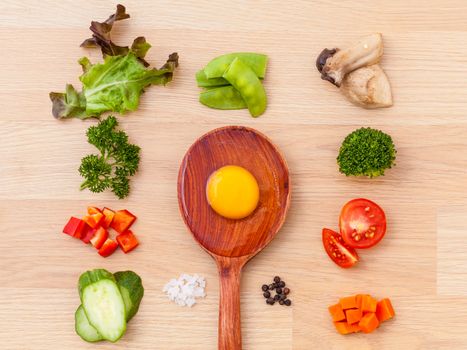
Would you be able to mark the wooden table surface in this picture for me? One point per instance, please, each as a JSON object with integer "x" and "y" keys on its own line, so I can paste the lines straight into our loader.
{"x": 422, "y": 262}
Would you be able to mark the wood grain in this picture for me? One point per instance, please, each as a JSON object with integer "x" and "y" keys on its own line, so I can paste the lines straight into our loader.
{"x": 420, "y": 264}
{"x": 232, "y": 243}
{"x": 251, "y": 150}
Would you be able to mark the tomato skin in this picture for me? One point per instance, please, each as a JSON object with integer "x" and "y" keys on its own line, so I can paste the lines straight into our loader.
{"x": 362, "y": 223}
{"x": 339, "y": 252}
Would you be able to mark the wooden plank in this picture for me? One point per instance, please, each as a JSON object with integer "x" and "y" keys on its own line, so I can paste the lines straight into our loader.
{"x": 420, "y": 264}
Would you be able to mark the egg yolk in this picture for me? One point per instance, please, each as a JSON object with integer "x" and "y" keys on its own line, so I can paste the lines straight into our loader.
{"x": 232, "y": 192}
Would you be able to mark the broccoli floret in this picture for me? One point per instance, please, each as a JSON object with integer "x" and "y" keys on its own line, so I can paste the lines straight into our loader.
{"x": 366, "y": 152}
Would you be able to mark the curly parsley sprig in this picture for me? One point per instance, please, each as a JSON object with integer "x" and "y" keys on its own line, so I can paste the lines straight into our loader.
{"x": 118, "y": 159}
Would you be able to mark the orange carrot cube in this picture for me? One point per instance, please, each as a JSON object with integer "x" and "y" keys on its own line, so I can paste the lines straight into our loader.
{"x": 348, "y": 302}
{"x": 336, "y": 312}
{"x": 344, "y": 328}
{"x": 353, "y": 315}
{"x": 368, "y": 323}
{"x": 368, "y": 304}
{"x": 358, "y": 299}
{"x": 384, "y": 310}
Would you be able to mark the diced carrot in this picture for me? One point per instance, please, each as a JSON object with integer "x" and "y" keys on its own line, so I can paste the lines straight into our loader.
{"x": 359, "y": 298}
{"x": 368, "y": 323}
{"x": 344, "y": 328}
{"x": 353, "y": 315}
{"x": 355, "y": 328}
{"x": 384, "y": 310}
{"x": 368, "y": 304}
{"x": 348, "y": 302}
{"x": 336, "y": 312}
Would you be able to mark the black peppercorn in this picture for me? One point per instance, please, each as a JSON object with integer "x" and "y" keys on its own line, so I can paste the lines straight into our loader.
{"x": 265, "y": 287}
{"x": 276, "y": 297}
{"x": 287, "y": 302}
{"x": 267, "y": 294}
{"x": 277, "y": 279}
{"x": 286, "y": 291}
{"x": 279, "y": 290}
{"x": 281, "y": 302}
{"x": 283, "y": 296}
{"x": 271, "y": 287}
{"x": 270, "y": 301}
{"x": 281, "y": 284}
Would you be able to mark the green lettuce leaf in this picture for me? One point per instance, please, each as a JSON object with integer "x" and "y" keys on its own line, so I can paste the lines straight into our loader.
{"x": 116, "y": 84}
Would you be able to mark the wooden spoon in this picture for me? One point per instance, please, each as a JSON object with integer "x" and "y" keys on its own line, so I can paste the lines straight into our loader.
{"x": 233, "y": 242}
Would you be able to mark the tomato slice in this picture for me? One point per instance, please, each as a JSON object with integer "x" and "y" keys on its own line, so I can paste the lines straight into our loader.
{"x": 339, "y": 252}
{"x": 362, "y": 223}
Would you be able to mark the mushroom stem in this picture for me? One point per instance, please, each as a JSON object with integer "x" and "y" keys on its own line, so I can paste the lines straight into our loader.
{"x": 335, "y": 64}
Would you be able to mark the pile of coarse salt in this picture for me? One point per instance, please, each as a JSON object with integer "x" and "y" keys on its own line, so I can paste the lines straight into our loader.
{"x": 184, "y": 290}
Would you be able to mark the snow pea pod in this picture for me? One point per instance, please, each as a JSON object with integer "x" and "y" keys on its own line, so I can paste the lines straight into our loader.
{"x": 244, "y": 79}
{"x": 257, "y": 62}
{"x": 224, "y": 97}
{"x": 203, "y": 81}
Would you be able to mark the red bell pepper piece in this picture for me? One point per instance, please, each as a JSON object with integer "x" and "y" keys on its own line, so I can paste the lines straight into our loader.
{"x": 122, "y": 221}
{"x": 94, "y": 220}
{"x": 127, "y": 241}
{"x": 108, "y": 248}
{"x": 109, "y": 216}
{"x": 88, "y": 233}
{"x": 93, "y": 210}
{"x": 99, "y": 237}
{"x": 75, "y": 227}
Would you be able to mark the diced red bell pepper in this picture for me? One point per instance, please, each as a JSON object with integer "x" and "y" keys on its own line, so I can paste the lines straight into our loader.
{"x": 88, "y": 233}
{"x": 93, "y": 210}
{"x": 108, "y": 217}
{"x": 75, "y": 227}
{"x": 127, "y": 241}
{"x": 99, "y": 237}
{"x": 122, "y": 221}
{"x": 108, "y": 248}
{"x": 94, "y": 220}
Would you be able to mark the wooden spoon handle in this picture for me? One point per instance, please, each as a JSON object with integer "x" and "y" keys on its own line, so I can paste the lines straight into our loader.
{"x": 230, "y": 331}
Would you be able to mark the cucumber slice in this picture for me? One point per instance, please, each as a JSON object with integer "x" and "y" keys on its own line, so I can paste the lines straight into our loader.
{"x": 83, "y": 327}
{"x": 132, "y": 290}
{"x": 103, "y": 303}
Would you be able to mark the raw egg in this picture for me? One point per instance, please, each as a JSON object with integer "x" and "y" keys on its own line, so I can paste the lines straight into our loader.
{"x": 232, "y": 191}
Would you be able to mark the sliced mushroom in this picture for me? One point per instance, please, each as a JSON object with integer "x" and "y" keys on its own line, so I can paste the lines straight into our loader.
{"x": 335, "y": 64}
{"x": 368, "y": 87}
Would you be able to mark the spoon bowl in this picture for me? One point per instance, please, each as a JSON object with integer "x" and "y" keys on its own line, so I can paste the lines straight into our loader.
{"x": 233, "y": 242}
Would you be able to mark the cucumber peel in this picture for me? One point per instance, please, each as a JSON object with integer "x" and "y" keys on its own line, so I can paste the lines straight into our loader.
{"x": 132, "y": 290}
